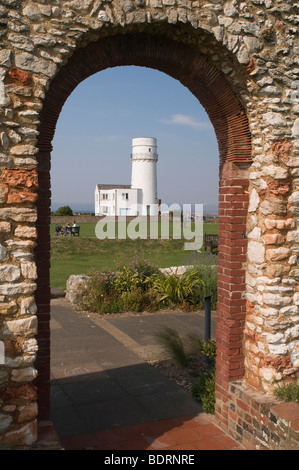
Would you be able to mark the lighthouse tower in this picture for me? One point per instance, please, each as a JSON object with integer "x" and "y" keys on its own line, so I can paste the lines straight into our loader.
{"x": 144, "y": 173}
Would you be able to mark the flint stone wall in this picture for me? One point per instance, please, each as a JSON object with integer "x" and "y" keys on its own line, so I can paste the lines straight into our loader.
{"x": 75, "y": 288}
{"x": 254, "y": 45}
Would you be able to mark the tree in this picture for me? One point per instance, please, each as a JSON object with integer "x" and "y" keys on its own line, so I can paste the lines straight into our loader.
{"x": 64, "y": 210}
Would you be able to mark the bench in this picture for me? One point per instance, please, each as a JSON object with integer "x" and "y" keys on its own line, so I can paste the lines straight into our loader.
{"x": 211, "y": 242}
{"x": 73, "y": 231}
{"x": 76, "y": 231}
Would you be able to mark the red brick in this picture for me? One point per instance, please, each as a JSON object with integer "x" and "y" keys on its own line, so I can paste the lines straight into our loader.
{"x": 19, "y": 76}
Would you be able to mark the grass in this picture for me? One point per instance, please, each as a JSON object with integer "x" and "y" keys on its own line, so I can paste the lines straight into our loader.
{"x": 173, "y": 346}
{"x": 79, "y": 255}
{"x": 198, "y": 358}
{"x": 288, "y": 392}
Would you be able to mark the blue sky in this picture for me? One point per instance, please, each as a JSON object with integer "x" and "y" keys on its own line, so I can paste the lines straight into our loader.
{"x": 94, "y": 133}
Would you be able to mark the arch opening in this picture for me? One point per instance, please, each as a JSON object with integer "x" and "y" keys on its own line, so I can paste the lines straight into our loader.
{"x": 102, "y": 116}
{"x": 227, "y": 115}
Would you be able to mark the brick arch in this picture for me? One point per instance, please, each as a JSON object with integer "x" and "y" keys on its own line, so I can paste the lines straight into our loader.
{"x": 182, "y": 62}
{"x": 208, "y": 84}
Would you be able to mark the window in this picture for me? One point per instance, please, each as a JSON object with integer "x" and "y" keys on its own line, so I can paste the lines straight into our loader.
{"x": 104, "y": 196}
{"x": 104, "y": 209}
{"x": 125, "y": 196}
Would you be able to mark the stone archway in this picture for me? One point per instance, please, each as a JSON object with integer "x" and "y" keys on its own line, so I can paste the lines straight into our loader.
{"x": 239, "y": 59}
{"x": 227, "y": 115}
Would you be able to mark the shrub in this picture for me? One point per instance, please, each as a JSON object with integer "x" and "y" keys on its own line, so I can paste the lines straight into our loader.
{"x": 133, "y": 300}
{"x": 144, "y": 269}
{"x": 127, "y": 289}
{"x": 110, "y": 304}
{"x": 124, "y": 289}
{"x": 178, "y": 289}
{"x": 288, "y": 392}
{"x": 206, "y": 350}
{"x": 205, "y": 265}
{"x": 181, "y": 351}
{"x": 203, "y": 390}
{"x": 127, "y": 280}
{"x": 100, "y": 295}
{"x": 209, "y": 350}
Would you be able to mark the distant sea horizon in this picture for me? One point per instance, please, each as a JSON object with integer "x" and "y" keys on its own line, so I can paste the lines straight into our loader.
{"x": 79, "y": 207}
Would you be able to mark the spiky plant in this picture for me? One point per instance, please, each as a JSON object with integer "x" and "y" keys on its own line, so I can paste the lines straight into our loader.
{"x": 173, "y": 346}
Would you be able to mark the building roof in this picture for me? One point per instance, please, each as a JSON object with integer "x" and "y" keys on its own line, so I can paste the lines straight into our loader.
{"x": 113, "y": 186}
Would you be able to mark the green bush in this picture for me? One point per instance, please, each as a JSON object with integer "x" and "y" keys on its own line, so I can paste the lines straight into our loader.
{"x": 140, "y": 286}
{"x": 127, "y": 289}
{"x": 133, "y": 300}
{"x": 177, "y": 289}
{"x": 209, "y": 350}
{"x": 203, "y": 390}
{"x": 100, "y": 295}
{"x": 138, "y": 266}
{"x": 110, "y": 304}
{"x": 288, "y": 392}
{"x": 205, "y": 265}
{"x": 127, "y": 280}
{"x": 64, "y": 210}
{"x": 183, "y": 350}
{"x": 144, "y": 269}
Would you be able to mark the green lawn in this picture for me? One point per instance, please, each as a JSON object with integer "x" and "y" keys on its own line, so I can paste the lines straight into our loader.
{"x": 79, "y": 255}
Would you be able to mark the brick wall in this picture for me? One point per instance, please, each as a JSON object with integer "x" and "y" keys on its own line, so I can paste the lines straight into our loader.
{"x": 231, "y": 308}
{"x": 42, "y": 296}
{"x": 259, "y": 421}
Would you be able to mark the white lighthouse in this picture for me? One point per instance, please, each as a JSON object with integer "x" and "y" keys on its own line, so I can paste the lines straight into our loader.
{"x": 144, "y": 173}
{"x": 139, "y": 198}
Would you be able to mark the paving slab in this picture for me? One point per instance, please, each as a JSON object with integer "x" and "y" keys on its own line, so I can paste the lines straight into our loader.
{"x": 104, "y": 393}
{"x": 99, "y": 383}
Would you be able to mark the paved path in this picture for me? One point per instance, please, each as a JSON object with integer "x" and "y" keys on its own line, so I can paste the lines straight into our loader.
{"x": 104, "y": 395}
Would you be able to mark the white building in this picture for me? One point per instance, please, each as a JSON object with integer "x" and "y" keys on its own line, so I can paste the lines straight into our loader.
{"x": 140, "y": 198}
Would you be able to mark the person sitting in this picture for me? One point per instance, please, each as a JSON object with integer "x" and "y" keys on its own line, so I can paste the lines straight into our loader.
{"x": 58, "y": 229}
{"x": 66, "y": 229}
{"x": 75, "y": 229}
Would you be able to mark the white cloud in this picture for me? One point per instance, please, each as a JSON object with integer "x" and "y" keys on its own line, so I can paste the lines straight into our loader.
{"x": 184, "y": 120}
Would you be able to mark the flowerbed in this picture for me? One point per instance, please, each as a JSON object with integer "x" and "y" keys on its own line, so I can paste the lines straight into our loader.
{"x": 138, "y": 286}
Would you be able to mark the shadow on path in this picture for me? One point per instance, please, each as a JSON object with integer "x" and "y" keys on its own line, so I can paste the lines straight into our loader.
{"x": 104, "y": 395}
